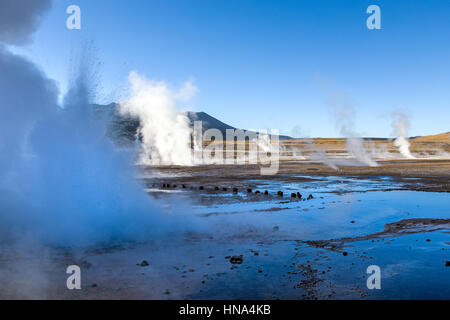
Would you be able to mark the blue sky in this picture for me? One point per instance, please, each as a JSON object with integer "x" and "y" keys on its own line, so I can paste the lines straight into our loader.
{"x": 267, "y": 64}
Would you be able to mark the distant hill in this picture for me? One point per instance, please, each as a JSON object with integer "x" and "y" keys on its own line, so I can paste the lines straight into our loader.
{"x": 125, "y": 128}
{"x": 442, "y": 137}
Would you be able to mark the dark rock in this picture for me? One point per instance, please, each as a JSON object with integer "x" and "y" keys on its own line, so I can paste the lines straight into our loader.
{"x": 257, "y": 192}
{"x": 235, "y": 190}
{"x": 224, "y": 189}
{"x": 201, "y": 188}
{"x": 236, "y": 259}
{"x": 216, "y": 188}
{"x": 183, "y": 186}
{"x": 293, "y": 195}
{"x": 299, "y": 195}
{"x": 266, "y": 193}
{"x": 174, "y": 186}
{"x": 144, "y": 263}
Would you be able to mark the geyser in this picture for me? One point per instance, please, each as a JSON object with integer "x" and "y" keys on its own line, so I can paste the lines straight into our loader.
{"x": 61, "y": 178}
{"x": 400, "y": 124}
{"x": 165, "y": 132}
{"x": 344, "y": 116}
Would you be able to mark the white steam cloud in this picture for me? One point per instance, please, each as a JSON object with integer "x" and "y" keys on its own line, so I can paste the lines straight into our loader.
{"x": 344, "y": 116}
{"x": 60, "y": 176}
{"x": 61, "y": 179}
{"x": 400, "y": 124}
{"x": 20, "y": 18}
{"x": 165, "y": 132}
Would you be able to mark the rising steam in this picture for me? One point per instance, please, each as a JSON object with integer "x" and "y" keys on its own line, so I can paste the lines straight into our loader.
{"x": 165, "y": 132}
{"x": 61, "y": 178}
{"x": 400, "y": 124}
{"x": 344, "y": 116}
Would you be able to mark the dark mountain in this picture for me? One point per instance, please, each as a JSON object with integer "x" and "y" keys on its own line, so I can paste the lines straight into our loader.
{"x": 124, "y": 129}
{"x": 208, "y": 122}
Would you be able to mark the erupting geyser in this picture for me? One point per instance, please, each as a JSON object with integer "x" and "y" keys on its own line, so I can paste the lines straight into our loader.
{"x": 400, "y": 124}
{"x": 165, "y": 132}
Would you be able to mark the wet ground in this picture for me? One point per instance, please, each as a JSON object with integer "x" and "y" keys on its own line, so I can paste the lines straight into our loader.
{"x": 248, "y": 244}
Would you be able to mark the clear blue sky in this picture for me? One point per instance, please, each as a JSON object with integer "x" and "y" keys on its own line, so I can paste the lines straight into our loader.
{"x": 268, "y": 64}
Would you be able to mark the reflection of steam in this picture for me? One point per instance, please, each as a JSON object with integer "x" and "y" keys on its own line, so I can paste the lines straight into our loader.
{"x": 344, "y": 115}
{"x": 165, "y": 132}
{"x": 400, "y": 124}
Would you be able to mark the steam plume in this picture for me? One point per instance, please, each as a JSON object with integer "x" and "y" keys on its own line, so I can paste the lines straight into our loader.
{"x": 165, "y": 132}
{"x": 20, "y": 18}
{"x": 400, "y": 124}
{"x": 344, "y": 115}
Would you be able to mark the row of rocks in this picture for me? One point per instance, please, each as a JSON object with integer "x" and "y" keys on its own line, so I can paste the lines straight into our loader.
{"x": 295, "y": 195}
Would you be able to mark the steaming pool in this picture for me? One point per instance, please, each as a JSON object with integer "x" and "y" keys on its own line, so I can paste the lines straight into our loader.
{"x": 257, "y": 246}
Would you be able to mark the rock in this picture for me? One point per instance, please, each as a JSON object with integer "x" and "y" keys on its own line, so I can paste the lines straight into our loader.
{"x": 235, "y": 190}
{"x": 236, "y": 259}
{"x": 216, "y": 188}
{"x": 201, "y": 188}
{"x": 293, "y": 195}
{"x": 280, "y": 193}
{"x": 183, "y": 186}
{"x": 144, "y": 263}
{"x": 174, "y": 186}
{"x": 257, "y": 192}
{"x": 266, "y": 193}
{"x": 299, "y": 195}
{"x": 168, "y": 185}
{"x": 310, "y": 197}
{"x": 224, "y": 189}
